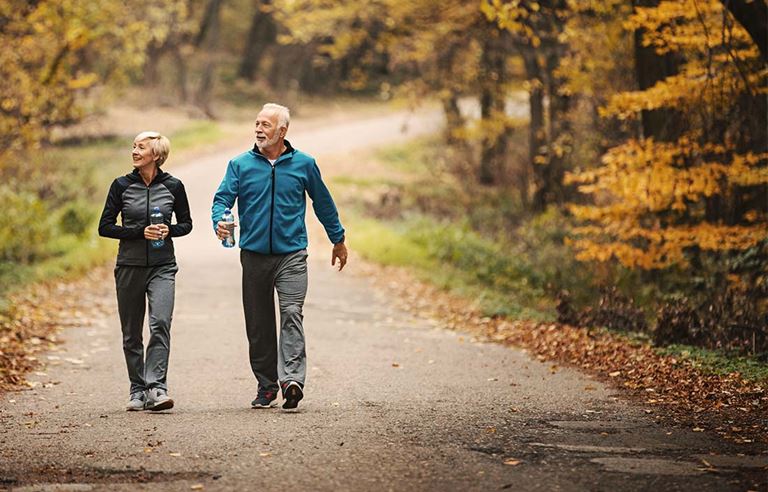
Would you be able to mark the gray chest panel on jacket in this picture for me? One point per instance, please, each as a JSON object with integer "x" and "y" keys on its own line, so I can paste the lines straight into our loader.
{"x": 136, "y": 210}
{"x": 138, "y": 202}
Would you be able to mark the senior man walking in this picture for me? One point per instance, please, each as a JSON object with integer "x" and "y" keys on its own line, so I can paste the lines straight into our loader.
{"x": 270, "y": 183}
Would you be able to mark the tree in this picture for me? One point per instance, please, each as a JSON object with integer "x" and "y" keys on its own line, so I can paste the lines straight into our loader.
{"x": 537, "y": 30}
{"x": 695, "y": 196}
{"x": 753, "y": 16}
{"x": 261, "y": 35}
{"x": 55, "y": 52}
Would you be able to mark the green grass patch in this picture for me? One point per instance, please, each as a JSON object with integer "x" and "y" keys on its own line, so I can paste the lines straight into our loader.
{"x": 716, "y": 362}
{"x": 196, "y": 135}
{"x": 455, "y": 259}
{"x": 414, "y": 156}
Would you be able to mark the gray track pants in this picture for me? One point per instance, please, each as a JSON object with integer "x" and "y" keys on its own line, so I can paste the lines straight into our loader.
{"x": 262, "y": 275}
{"x": 134, "y": 286}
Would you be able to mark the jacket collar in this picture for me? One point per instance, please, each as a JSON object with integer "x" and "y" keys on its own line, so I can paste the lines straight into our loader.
{"x": 288, "y": 149}
{"x": 161, "y": 175}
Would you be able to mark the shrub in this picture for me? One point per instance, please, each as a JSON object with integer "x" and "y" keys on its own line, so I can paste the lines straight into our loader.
{"x": 731, "y": 320}
{"x": 24, "y": 226}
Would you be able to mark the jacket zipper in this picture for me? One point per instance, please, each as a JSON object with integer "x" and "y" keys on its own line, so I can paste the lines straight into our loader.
{"x": 272, "y": 209}
{"x": 146, "y": 242}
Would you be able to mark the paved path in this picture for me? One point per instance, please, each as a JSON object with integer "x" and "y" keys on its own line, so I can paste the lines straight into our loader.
{"x": 392, "y": 402}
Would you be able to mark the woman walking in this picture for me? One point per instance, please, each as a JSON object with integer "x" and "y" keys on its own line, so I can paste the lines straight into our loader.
{"x": 146, "y": 265}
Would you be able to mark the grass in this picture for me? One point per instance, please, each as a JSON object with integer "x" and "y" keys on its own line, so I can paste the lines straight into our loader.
{"x": 716, "y": 362}
{"x": 436, "y": 253}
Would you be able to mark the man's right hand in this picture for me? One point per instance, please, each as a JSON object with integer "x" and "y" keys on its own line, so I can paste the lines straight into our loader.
{"x": 222, "y": 231}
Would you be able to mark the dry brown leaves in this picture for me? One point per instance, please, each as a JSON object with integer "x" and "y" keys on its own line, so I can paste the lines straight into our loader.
{"x": 672, "y": 389}
{"x": 36, "y": 317}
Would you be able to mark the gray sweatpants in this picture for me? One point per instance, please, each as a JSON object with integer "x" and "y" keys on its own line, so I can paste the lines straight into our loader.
{"x": 134, "y": 286}
{"x": 262, "y": 276}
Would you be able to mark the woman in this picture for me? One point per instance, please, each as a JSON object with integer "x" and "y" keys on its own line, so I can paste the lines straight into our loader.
{"x": 146, "y": 264}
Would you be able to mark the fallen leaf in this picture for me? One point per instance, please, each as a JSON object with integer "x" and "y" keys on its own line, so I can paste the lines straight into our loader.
{"x": 614, "y": 374}
{"x": 512, "y": 462}
{"x": 174, "y": 454}
{"x": 265, "y": 454}
{"x": 395, "y": 364}
{"x": 197, "y": 486}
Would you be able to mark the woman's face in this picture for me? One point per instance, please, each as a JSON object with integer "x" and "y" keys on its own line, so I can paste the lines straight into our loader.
{"x": 142, "y": 154}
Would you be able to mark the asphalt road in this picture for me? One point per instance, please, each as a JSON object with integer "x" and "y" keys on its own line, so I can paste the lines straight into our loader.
{"x": 392, "y": 402}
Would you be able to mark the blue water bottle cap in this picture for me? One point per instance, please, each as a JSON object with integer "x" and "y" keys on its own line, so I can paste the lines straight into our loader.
{"x": 227, "y": 211}
{"x": 156, "y": 209}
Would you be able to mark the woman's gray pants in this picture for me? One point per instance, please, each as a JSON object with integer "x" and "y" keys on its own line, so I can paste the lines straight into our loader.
{"x": 134, "y": 286}
{"x": 262, "y": 276}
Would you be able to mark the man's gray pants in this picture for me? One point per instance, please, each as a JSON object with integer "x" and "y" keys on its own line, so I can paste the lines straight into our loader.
{"x": 262, "y": 276}
{"x": 134, "y": 286}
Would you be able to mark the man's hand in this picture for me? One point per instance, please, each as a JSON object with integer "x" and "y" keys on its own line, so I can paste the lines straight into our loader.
{"x": 156, "y": 231}
{"x": 223, "y": 231}
{"x": 340, "y": 252}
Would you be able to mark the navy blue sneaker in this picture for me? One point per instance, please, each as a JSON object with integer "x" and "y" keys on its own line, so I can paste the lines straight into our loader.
{"x": 292, "y": 394}
{"x": 265, "y": 399}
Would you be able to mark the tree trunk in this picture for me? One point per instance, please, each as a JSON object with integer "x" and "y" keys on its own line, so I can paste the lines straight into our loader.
{"x": 650, "y": 67}
{"x": 261, "y": 35}
{"x": 453, "y": 119}
{"x": 181, "y": 74}
{"x": 550, "y": 189}
{"x": 208, "y": 40}
{"x": 753, "y": 16}
{"x": 492, "y": 107}
{"x": 537, "y": 147}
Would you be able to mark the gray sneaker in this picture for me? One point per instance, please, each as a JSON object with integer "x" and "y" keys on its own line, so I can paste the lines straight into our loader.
{"x": 136, "y": 402}
{"x": 158, "y": 399}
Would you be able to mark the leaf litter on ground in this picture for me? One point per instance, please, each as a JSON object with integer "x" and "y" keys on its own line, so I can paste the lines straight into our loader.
{"x": 675, "y": 390}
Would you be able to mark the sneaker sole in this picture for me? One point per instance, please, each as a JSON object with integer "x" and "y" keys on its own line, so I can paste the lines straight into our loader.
{"x": 272, "y": 404}
{"x": 293, "y": 396}
{"x": 134, "y": 409}
{"x": 163, "y": 405}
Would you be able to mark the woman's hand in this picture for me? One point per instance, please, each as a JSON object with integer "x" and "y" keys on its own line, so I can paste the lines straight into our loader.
{"x": 156, "y": 231}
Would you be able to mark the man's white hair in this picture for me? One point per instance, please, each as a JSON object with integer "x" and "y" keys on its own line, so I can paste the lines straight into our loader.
{"x": 282, "y": 113}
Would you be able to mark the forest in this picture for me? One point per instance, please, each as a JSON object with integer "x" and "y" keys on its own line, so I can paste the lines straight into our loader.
{"x": 604, "y": 163}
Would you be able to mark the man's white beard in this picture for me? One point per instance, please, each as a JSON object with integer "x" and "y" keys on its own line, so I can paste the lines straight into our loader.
{"x": 268, "y": 143}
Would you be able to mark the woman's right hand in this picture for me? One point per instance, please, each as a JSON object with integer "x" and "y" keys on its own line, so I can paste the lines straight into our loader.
{"x": 153, "y": 232}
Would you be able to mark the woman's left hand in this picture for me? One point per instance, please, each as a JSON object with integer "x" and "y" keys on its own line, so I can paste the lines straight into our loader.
{"x": 164, "y": 231}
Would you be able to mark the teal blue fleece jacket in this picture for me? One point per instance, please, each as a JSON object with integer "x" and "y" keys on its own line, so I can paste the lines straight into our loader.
{"x": 271, "y": 201}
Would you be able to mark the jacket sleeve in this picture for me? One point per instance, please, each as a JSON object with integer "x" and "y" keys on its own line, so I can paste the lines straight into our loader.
{"x": 108, "y": 223}
{"x": 226, "y": 194}
{"x": 323, "y": 205}
{"x": 183, "y": 225}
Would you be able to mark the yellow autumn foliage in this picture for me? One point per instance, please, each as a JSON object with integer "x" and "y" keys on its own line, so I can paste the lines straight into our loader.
{"x": 654, "y": 203}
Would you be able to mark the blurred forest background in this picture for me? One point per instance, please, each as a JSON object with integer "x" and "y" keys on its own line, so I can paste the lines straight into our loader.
{"x": 604, "y": 162}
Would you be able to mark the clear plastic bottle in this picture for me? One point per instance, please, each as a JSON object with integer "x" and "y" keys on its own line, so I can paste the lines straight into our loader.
{"x": 229, "y": 219}
{"x": 156, "y": 217}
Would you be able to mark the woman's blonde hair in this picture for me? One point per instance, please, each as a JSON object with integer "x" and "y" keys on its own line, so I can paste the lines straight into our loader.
{"x": 159, "y": 145}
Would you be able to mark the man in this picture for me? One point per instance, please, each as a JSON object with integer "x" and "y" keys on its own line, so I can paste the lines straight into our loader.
{"x": 270, "y": 183}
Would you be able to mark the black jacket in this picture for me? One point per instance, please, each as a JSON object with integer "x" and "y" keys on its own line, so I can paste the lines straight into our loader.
{"x": 134, "y": 201}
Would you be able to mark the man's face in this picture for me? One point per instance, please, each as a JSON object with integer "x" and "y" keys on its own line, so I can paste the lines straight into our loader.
{"x": 267, "y": 131}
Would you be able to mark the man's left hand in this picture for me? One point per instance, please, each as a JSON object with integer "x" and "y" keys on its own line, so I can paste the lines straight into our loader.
{"x": 340, "y": 253}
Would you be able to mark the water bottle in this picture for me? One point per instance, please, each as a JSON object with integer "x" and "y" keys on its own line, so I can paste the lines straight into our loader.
{"x": 156, "y": 217}
{"x": 229, "y": 219}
